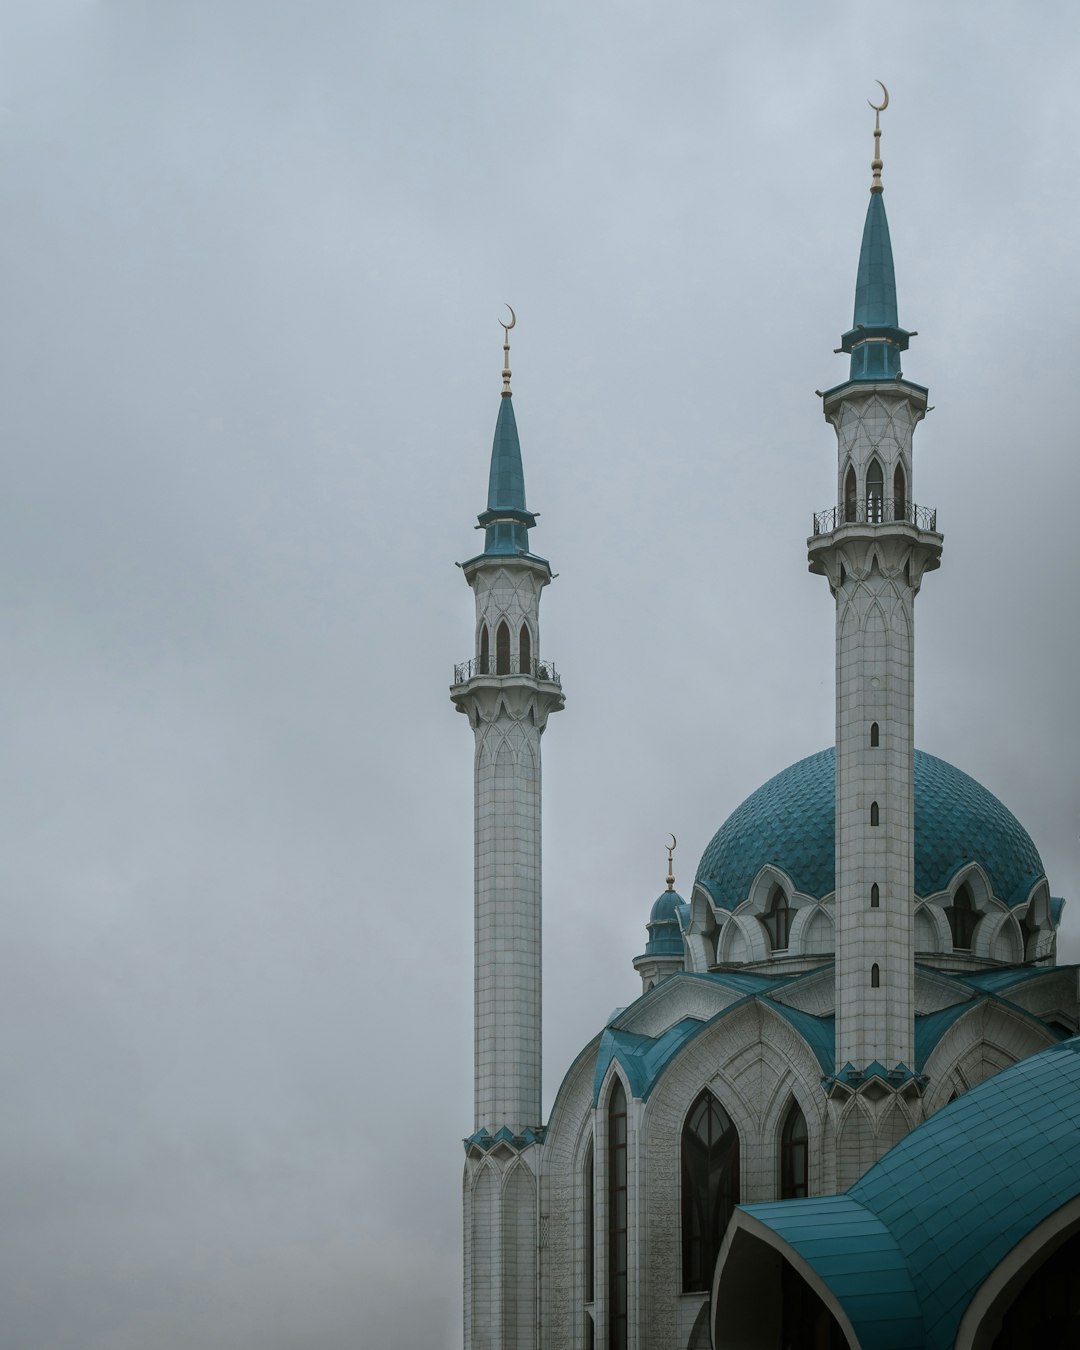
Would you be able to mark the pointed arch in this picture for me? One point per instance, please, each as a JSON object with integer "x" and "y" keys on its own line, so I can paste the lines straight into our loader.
{"x": 875, "y": 976}
{"x": 851, "y": 494}
{"x": 483, "y": 1247}
{"x": 875, "y": 814}
{"x": 525, "y": 650}
{"x": 518, "y": 1246}
{"x": 962, "y": 916}
{"x": 794, "y": 1155}
{"x": 588, "y": 1222}
{"x": 502, "y": 648}
{"x": 777, "y": 920}
{"x": 710, "y": 1186}
{"x": 485, "y": 650}
{"x": 875, "y": 896}
{"x": 617, "y": 1216}
{"x": 899, "y": 493}
{"x": 875, "y": 491}
{"x": 875, "y": 735}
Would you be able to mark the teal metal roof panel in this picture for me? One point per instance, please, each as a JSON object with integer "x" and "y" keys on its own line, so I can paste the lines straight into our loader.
{"x": 875, "y": 285}
{"x": 790, "y": 821}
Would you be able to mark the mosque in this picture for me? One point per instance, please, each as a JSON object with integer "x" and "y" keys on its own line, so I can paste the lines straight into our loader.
{"x": 845, "y": 1109}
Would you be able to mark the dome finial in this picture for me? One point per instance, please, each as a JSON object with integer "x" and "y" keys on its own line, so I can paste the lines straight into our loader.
{"x": 670, "y": 872}
{"x": 875, "y": 163}
{"x": 506, "y": 350}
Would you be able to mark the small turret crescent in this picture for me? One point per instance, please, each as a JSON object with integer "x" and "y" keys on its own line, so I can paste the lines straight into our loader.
{"x": 877, "y": 107}
{"x": 513, "y": 316}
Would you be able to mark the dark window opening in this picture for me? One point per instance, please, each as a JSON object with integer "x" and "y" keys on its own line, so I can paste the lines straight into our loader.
{"x": 875, "y": 896}
{"x": 710, "y": 1187}
{"x": 485, "y": 651}
{"x": 875, "y": 492}
{"x": 850, "y": 495}
{"x": 875, "y": 815}
{"x": 525, "y": 649}
{"x": 875, "y": 736}
{"x": 617, "y": 1218}
{"x": 899, "y": 493}
{"x": 502, "y": 649}
{"x": 1046, "y": 1311}
{"x": 777, "y": 920}
{"x": 962, "y": 916}
{"x": 794, "y": 1156}
{"x": 875, "y": 976}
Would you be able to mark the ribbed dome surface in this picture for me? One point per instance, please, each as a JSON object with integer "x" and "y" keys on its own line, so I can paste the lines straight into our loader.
{"x": 790, "y": 821}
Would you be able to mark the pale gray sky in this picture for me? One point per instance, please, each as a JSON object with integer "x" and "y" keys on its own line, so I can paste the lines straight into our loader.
{"x": 252, "y": 262}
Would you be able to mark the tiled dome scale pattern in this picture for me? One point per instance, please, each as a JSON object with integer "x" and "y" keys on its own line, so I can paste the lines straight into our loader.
{"x": 790, "y": 821}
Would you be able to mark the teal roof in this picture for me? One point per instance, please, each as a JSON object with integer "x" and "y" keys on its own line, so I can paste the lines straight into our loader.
{"x": 507, "y": 520}
{"x": 790, "y": 822}
{"x": 875, "y": 339}
{"x": 951, "y": 1200}
{"x": 665, "y": 930}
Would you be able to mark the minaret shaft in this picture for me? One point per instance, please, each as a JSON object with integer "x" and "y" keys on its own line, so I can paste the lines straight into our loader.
{"x": 874, "y": 555}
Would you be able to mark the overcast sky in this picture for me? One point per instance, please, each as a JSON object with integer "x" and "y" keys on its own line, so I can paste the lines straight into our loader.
{"x": 252, "y": 260}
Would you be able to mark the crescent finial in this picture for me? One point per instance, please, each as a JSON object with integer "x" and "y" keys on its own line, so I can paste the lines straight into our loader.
{"x": 670, "y": 872}
{"x": 506, "y": 350}
{"x": 879, "y": 107}
{"x": 875, "y": 163}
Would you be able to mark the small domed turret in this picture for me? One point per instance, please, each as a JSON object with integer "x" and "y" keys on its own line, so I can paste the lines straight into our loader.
{"x": 664, "y": 953}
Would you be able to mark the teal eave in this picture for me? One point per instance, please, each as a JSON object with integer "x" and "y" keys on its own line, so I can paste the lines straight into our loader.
{"x": 523, "y": 554}
{"x": 856, "y": 384}
{"x": 907, "y": 1247}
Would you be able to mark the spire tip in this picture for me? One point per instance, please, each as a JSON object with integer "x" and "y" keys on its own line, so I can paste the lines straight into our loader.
{"x": 506, "y": 350}
{"x": 670, "y": 871}
{"x": 875, "y": 163}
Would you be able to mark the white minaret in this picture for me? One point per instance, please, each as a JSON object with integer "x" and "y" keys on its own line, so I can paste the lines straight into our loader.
{"x": 507, "y": 692}
{"x": 874, "y": 547}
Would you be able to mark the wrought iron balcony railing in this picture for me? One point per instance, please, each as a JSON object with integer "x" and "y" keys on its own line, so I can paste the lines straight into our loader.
{"x": 505, "y": 665}
{"x": 875, "y": 511}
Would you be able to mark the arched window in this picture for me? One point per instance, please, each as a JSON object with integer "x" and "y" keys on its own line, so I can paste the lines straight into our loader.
{"x": 875, "y": 492}
{"x": 875, "y": 815}
{"x": 875, "y": 736}
{"x": 899, "y": 494}
{"x": 710, "y": 1187}
{"x": 525, "y": 649}
{"x": 851, "y": 493}
{"x": 502, "y": 649}
{"x": 962, "y": 916}
{"x": 777, "y": 920}
{"x": 485, "y": 650}
{"x": 875, "y": 896}
{"x": 589, "y": 1205}
{"x": 875, "y": 976}
{"x": 617, "y": 1212}
{"x": 794, "y": 1156}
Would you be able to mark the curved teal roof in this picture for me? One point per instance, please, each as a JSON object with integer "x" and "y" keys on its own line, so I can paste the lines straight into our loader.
{"x": 945, "y": 1205}
{"x": 507, "y": 520}
{"x": 790, "y": 822}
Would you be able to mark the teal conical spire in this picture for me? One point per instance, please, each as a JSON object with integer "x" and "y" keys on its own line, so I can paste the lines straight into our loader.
{"x": 507, "y": 520}
{"x": 875, "y": 339}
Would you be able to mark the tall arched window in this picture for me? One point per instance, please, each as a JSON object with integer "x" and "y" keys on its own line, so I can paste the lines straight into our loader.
{"x": 617, "y": 1211}
{"x": 851, "y": 492}
{"x": 502, "y": 649}
{"x": 899, "y": 494}
{"x": 525, "y": 649}
{"x": 485, "y": 650}
{"x": 962, "y": 916}
{"x": 710, "y": 1187}
{"x": 794, "y": 1156}
{"x": 875, "y": 735}
{"x": 875, "y": 814}
{"x": 589, "y": 1206}
{"x": 875, "y": 976}
{"x": 875, "y": 896}
{"x": 875, "y": 492}
{"x": 777, "y": 920}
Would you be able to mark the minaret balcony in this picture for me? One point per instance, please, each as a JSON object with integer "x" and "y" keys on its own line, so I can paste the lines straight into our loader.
{"x": 876, "y": 511}
{"x": 491, "y": 667}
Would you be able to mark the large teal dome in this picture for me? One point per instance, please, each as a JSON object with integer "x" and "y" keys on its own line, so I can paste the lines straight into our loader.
{"x": 790, "y": 821}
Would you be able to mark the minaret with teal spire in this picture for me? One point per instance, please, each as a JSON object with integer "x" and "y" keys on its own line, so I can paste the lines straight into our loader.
{"x": 874, "y": 547}
{"x": 507, "y": 691}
